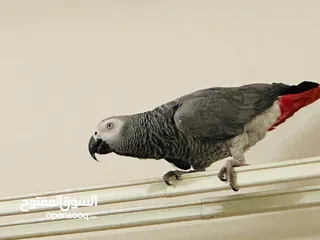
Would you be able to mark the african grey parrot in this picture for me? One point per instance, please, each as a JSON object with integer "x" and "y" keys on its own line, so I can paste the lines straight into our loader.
{"x": 205, "y": 126}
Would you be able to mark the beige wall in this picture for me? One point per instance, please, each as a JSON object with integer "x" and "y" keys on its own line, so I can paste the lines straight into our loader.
{"x": 65, "y": 65}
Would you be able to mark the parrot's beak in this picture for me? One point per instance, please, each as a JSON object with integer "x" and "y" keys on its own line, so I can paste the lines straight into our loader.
{"x": 96, "y": 145}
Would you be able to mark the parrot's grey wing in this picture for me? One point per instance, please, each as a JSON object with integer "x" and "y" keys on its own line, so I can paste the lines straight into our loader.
{"x": 222, "y": 113}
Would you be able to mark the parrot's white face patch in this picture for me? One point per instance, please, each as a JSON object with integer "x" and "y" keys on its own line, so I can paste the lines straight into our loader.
{"x": 109, "y": 130}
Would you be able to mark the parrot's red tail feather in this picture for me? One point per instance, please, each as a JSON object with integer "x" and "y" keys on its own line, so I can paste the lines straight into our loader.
{"x": 291, "y": 103}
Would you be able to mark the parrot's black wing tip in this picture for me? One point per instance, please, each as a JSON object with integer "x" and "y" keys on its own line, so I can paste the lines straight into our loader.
{"x": 302, "y": 87}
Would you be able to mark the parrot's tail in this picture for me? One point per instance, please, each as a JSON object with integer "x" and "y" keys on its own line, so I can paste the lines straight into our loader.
{"x": 296, "y": 97}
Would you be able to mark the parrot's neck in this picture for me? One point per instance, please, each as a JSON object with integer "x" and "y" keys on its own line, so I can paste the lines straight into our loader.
{"x": 149, "y": 135}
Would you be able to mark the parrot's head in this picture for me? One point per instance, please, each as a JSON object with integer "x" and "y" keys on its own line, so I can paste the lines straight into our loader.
{"x": 108, "y": 136}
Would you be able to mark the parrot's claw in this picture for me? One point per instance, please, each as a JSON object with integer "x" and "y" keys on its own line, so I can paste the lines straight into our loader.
{"x": 171, "y": 176}
{"x": 227, "y": 173}
{"x": 222, "y": 173}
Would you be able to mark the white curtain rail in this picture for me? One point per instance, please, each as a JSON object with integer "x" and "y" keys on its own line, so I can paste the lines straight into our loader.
{"x": 247, "y": 176}
{"x": 202, "y": 209}
{"x": 309, "y": 191}
{"x": 248, "y": 168}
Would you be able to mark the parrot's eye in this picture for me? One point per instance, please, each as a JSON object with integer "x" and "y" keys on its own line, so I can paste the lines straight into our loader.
{"x": 109, "y": 125}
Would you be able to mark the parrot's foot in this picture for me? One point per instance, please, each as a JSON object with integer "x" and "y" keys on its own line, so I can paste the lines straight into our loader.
{"x": 227, "y": 172}
{"x": 172, "y": 176}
